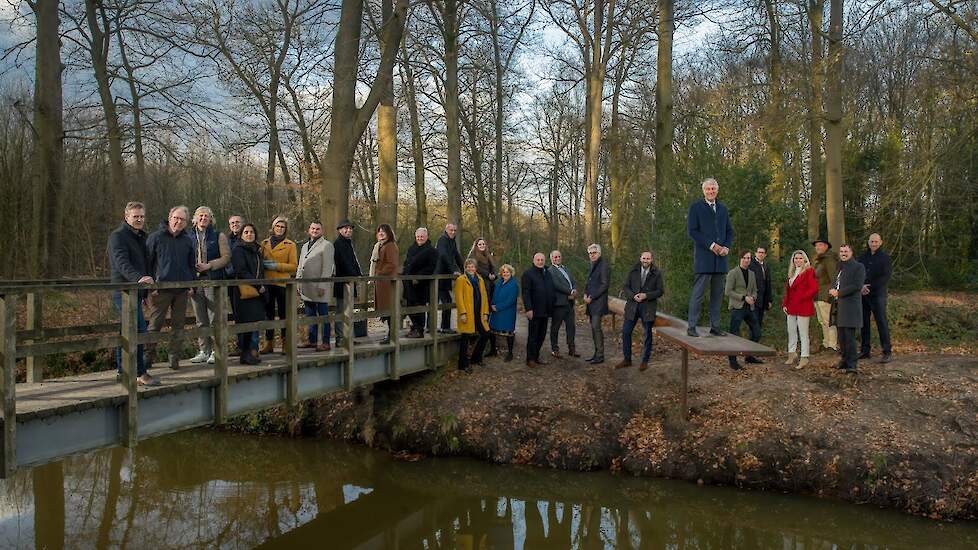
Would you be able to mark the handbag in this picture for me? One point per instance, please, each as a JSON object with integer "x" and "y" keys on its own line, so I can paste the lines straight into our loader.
{"x": 247, "y": 292}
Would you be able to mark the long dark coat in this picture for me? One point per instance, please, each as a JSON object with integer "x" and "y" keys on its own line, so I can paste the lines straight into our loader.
{"x": 765, "y": 290}
{"x": 420, "y": 260}
{"x": 706, "y": 227}
{"x": 562, "y": 287}
{"x": 851, "y": 276}
{"x": 598, "y": 281}
{"x": 246, "y": 258}
{"x": 538, "y": 291}
{"x": 345, "y": 262}
{"x": 653, "y": 288}
{"x": 879, "y": 269}
{"x": 449, "y": 260}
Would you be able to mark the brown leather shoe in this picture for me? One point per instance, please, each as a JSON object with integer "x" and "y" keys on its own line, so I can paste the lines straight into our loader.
{"x": 307, "y": 345}
{"x": 623, "y": 364}
{"x": 532, "y": 364}
{"x": 556, "y": 354}
{"x": 266, "y": 348}
{"x": 323, "y": 347}
{"x": 643, "y": 366}
{"x": 573, "y": 352}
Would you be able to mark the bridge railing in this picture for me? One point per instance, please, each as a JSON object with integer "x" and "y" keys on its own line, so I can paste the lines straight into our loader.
{"x": 34, "y": 341}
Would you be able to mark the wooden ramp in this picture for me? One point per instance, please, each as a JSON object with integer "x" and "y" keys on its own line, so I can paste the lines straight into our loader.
{"x": 61, "y": 416}
{"x": 674, "y": 329}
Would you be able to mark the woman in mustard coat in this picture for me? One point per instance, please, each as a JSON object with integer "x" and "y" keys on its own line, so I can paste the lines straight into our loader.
{"x": 472, "y": 302}
{"x": 280, "y": 259}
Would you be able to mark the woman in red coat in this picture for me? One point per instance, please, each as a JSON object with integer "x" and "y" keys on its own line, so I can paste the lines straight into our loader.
{"x": 799, "y": 305}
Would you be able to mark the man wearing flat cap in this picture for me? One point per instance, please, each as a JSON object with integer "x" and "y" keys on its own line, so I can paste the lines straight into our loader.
{"x": 346, "y": 264}
{"x": 826, "y": 267}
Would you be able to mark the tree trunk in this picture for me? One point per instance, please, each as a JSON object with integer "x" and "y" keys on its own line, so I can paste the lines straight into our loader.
{"x": 498, "y": 69}
{"x": 816, "y": 10}
{"x": 617, "y": 174}
{"x": 99, "y": 51}
{"x": 834, "y": 203}
{"x": 417, "y": 148}
{"x": 663, "y": 99}
{"x": 49, "y": 128}
{"x": 348, "y": 122}
{"x": 387, "y": 138}
{"x": 592, "y": 165}
{"x": 774, "y": 124}
{"x": 454, "y": 181}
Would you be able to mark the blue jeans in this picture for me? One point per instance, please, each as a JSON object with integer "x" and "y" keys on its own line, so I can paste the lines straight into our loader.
{"x": 140, "y": 328}
{"x": 247, "y": 341}
{"x": 744, "y": 315}
{"x": 317, "y": 309}
{"x": 626, "y": 338}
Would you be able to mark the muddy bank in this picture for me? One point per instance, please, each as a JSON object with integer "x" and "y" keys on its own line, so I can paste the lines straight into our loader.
{"x": 904, "y": 435}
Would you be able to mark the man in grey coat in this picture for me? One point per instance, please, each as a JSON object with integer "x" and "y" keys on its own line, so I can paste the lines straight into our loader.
{"x": 316, "y": 262}
{"x": 565, "y": 291}
{"x": 596, "y": 298}
{"x": 741, "y": 291}
{"x": 849, "y": 317}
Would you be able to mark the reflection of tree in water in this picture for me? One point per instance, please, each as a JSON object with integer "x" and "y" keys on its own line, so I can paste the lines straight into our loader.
{"x": 214, "y": 489}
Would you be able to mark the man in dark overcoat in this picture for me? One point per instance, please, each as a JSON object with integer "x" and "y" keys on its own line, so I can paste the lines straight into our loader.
{"x": 538, "y": 299}
{"x": 708, "y": 225}
{"x": 449, "y": 263}
{"x": 642, "y": 288}
{"x": 565, "y": 291}
{"x": 421, "y": 259}
{"x": 879, "y": 268}
{"x": 846, "y": 290}
{"x": 765, "y": 292}
{"x": 346, "y": 264}
{"x": 596, "y": 299}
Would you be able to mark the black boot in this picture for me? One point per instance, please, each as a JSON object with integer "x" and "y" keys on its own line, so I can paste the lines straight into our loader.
{"x": 493, "y": 350}
{"x": 509, "y": 347}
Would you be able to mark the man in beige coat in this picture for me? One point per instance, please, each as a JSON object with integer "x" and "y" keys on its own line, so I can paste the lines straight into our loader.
{"x": 316, "y": 262}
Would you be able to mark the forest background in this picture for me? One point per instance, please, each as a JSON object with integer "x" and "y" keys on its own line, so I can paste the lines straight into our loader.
{"x": 536, "y": 124}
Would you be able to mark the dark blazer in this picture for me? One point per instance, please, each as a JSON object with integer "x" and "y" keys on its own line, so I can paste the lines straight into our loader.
{"x": 706, "y": 227}
{"x": 851, "y": 276}
{"x": 449, "y": 260}
{"x": 171, "y": 257}
{"x": 765, "y": 291}
{"x": 598, "y": 281}
{"x": 345, "y": 263}
{"x": 538, "y": 291}
{"x": 653, "y": 289}
{"x": 562, "y": 288}
{"x": 420, "y": 260}
{"x": 879, "y": 268}
{"x": 128, "y": 255}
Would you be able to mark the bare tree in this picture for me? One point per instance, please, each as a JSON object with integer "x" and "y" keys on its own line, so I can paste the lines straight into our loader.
{"x": 834, "y": 207}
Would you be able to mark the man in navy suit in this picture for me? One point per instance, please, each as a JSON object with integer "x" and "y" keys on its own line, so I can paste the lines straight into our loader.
{"x": 708, "y": 224}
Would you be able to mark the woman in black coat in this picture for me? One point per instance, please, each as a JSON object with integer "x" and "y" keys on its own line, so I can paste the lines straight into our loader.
{"x": 247, "y": 260}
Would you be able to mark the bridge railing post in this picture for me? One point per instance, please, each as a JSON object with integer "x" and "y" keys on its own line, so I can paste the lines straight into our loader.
{"x": 35, "y": 322}
{"x": 290, "y": 345}
{"x": 395, "y": 329}
{"x": 433, "y": 320}
{"x": 220, "y": 327}
{"x": 8, "y": 381}
{"x": 348, "y": 339}
{"x": 129, "y": 323}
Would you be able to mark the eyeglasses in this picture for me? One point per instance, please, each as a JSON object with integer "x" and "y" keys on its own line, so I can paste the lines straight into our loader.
{"x": 178, "y": 218}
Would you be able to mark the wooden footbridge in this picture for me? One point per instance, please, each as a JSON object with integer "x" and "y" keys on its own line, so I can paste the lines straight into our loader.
{"x": 47, "y": 419}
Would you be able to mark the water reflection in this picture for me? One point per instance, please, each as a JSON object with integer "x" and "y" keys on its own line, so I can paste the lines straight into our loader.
{"x": 208, "y": 489}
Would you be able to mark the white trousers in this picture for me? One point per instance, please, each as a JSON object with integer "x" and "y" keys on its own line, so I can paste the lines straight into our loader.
{"x": 798, "y": 326}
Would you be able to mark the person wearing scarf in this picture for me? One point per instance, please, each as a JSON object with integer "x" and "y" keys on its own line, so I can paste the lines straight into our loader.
{"x": 247, "y": 259}
{"x": 281, "y": 260}
{"x": 473, "y": 315}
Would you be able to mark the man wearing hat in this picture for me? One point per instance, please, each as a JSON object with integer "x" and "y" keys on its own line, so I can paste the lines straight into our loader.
{"x": 826, "y": 267}
{"x": 346, "y": 264}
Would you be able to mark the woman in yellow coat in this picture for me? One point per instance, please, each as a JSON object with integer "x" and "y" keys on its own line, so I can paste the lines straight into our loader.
{"x": 472, "y": 302}
{"x": 280, "y": 260}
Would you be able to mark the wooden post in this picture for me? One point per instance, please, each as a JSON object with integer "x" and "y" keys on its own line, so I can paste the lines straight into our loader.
{"x": 433, "y": 321}
{"x": 35, "y": 322}
{"x": 220, "y": 327}
{"x": 348, "y": 340}
{"x": 685, "y": 408}
{"x": 395, "y": 329}
{"x": 8, "y": 381}
{"x": 290, "y": 345}
{"x": 129, "y": 428}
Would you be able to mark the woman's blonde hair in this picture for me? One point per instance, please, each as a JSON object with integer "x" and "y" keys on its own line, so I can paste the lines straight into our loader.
{"x": 507, "y": 267}
{"x": 792, "y": 270}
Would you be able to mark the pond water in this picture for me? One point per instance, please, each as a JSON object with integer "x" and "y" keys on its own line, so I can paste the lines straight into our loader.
{"x": 210, "y": 489}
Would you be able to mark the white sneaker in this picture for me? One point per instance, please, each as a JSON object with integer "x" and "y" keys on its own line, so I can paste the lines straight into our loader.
{"x": 199, "y": 358}
{"x": 210, "y": 359}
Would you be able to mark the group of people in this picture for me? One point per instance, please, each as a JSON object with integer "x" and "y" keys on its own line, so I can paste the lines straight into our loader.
{"x": 841, "y": 291}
